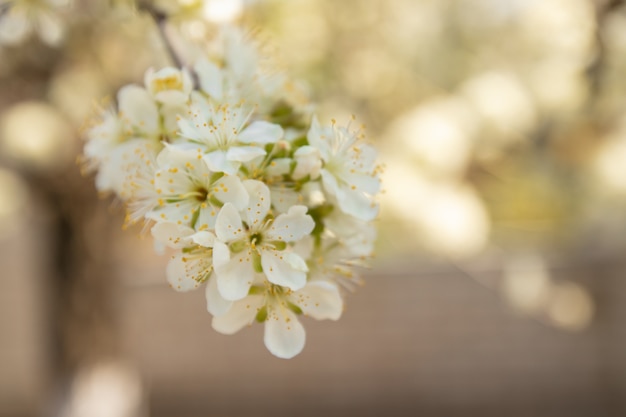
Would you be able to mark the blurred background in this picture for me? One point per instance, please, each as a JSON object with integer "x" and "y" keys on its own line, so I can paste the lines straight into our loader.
{"x": 499, "y": 285}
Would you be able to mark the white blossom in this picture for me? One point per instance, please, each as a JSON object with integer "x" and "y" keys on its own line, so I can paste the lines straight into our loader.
{"x": 223, "y": 137}
{"x": 258, "y": 242}
{"x": 20, "y": 18}
{"x": 278, "y": 307}
{"x": 348, "y": 171}
{"x": 271, "y": 216}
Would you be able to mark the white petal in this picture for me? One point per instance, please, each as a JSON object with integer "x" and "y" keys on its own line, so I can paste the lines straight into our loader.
{"x": 261, "y": 132}
{"x": 180, "y": 213}
{"x": 172, "y": 97}
{"x": 304, "y": 247}
{"x": 320, "y": 300}
{"x": 363, "y": 182}
{"x": 320, "y": 138}
{"x": 207, "y": 217}
{"x": 50, "y": 28}
{"x": 259, "y": 203}
{"x": 284, "y": 269}
{"x": 235, "y": 273}
{"x": 180, "y": 274}
{"x": 283, "y": 198}
{"x": 210, "y": 77}
{"x": 228, "y": 226}
{"x": 217, "y": 161}
{"x": 171, "y": 234}
{"x": 291, "y": 226}
{"x": 206, "y": 239}
{"x": 230, "y": 189}
{"x": 188, "y": 131}
{"x": 14, "y": 26}
{"x": 357, "y": 204}
{"x": 244, "y": 153}
{"x": 137, "y": 108}
{"x": 215, "y": 303}
{"x": 308, "y": 162}
{"x": 221, "y": 254}
{"x": 284, "y": 335}
{"x": 330, "y": 182}
{"x": 241, "y": 314}
{"x": 279, "y": 166}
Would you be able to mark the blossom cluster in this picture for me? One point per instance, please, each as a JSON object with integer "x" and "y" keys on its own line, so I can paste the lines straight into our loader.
{"x": 20, "y": 18}
{"x": 258, "y": 202}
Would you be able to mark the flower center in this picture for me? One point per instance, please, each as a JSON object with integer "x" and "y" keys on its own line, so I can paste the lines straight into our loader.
{"x": 168, "y": 83}
{"x": 201, "y": 194}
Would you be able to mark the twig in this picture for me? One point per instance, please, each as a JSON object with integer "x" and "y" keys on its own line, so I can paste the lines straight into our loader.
{"x": 4, "y": 8}
{"x": 161, "y": 20}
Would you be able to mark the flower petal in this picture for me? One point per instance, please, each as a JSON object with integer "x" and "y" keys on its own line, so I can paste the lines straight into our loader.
{"x": 244, "y": 153}
{"x": 357, "y": 204}
{"x": 50, "y": 28}
{"x": 228, "y": 226}
{"x": 286, "y": 269}
{"x": 215, "y": 303}
{"x": 230, "y": 189}
{"x": 138, "y": 109}
{"x": 241, "y": 314}
{"x": 210, "y": 77}
{"x": 235, "y": 276}
{"x": 15, "y": 25}
{"x": 291, "y": 226}
{"x": 261, "y": 132}
{"x": 319, "y": 138}
{"x": 259, "y": 203}
{"x": 320, "y": 300}
{"x": 283, "y": 198}
{"x": 184, "y": 275}
{"x": 217, "y": 161}
{"x": 284, "y": 335}
{"x": 206, "y": 239}
{"x": 171, "y": 234}
{"x": 363, "y": 182}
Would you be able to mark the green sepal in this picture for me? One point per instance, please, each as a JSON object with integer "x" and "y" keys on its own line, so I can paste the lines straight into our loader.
{"x": 256, "y": 262}
{"x": 215, "y": 176}
{"x": 261, "y": 316}
{"x": 278, "y": 244}
{"x": 255, "y": 290}
{"x": 300, "y": 142}
{"x": 194, "y": 218}
{"x": 294, "y": 308}
{"x": 238, "y": 246}
{"x": 215, "y": 201}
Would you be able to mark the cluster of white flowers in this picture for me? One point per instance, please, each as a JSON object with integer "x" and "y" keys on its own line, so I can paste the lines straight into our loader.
{"x": 254, "y": 197}
{"x": 20, "y": 18}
